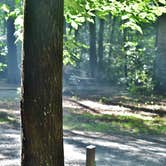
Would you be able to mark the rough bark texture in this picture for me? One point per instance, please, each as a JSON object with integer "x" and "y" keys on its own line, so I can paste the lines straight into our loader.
{"x": 92, "y": 50}
{"x": 160, "y": 66}
{"x": 41, "y": 104}
{"x": 13, "y": 71}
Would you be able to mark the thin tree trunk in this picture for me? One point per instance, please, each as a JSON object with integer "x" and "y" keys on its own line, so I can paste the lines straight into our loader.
{"x": 101, "y": 47}
{"x": 92, "y": 50}
{"x": 13, "y": 71}
{"x": 76, "y": 33}
{"x": 41, "y": 104}
{"x": 112, "y": 20}
{"x": 125, "y": 55}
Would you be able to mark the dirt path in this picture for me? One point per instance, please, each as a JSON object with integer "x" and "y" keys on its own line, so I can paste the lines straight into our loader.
{"x": 111, "y": 150}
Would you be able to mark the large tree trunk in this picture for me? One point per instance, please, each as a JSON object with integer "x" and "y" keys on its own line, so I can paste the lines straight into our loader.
{"x": 92, "y": 50}
{"x": 41, "y": 104}
{"x": 13, "y": 71}
{"x": 160, "y": 66}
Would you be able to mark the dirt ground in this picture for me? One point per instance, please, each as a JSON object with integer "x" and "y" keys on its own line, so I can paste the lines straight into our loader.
{"x": 111, "y": 150}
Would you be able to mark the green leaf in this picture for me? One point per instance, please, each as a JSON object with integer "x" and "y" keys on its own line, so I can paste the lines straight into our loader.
{"x": 74, "y": 24}
{"x": 162, "y": 2}
{"x": 5, "y": 8}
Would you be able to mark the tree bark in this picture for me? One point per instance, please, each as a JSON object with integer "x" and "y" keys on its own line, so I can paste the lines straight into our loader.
{"x": 160, "y": 65}
{"x": 41, "y": 104}
{"x": 92, "y": 50}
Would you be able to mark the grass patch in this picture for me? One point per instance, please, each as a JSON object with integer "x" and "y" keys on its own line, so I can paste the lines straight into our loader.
{"x": 111, "y": 123}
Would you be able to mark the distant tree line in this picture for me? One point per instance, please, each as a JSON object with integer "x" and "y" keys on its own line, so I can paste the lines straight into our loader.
{"x": 115, "y": 42}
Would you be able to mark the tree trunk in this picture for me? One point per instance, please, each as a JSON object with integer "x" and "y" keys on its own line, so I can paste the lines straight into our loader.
{"x": 41, "y": 104}
{"x": 92, "y": 50}
{"x": 112, "y": 32}
{"x": 13, "y": 71}
{"x": 160, "y": 66}
{"x": 101, "y": 48}
{"x": 125, "y": 55}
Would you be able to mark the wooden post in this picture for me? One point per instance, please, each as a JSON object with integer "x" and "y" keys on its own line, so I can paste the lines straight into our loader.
{"x": 90, "y": 155}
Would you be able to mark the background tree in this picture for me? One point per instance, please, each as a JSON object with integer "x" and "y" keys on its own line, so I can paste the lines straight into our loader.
{"x": 100, "y": 46}
{"x": 41, "y": 104}
{"x": 137, "y": 18}
{"x": 160, "y": 66}
{"x": 13, "y": 71}
{"x": 92, "y": 49}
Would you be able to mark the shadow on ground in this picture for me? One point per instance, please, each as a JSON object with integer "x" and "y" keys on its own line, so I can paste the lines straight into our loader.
{"x": 111, "y": 150}
{"x": 9, "y": 145}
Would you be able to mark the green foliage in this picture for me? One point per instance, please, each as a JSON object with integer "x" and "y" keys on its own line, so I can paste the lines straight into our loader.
{"x": 72, "y": 48}
{"x": 133, "y": 13}
{"x": 129, "y": 58}
{"x": 139, "y": 68}
{"x": 2, "y": 66}
{"x": 79, "y": 11}
{"x": 19, "y": 26}
{"x": 71, "y": 51}
{"x": 13, "y": 9}
{"x": 3, "y": 53}
{"x": 132, "y": 16}
{"x": 5, "y": 8}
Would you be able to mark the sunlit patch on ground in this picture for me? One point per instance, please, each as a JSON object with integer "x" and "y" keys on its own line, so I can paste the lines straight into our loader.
{"x": 111, "y": 109}
{"x": 9, "y": 145}
{"x": 94, "y": 116}
{"x": 120, "y": 149}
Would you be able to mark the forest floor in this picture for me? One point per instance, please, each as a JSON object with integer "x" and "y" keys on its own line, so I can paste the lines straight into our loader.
{"x": 127, "y": 131}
